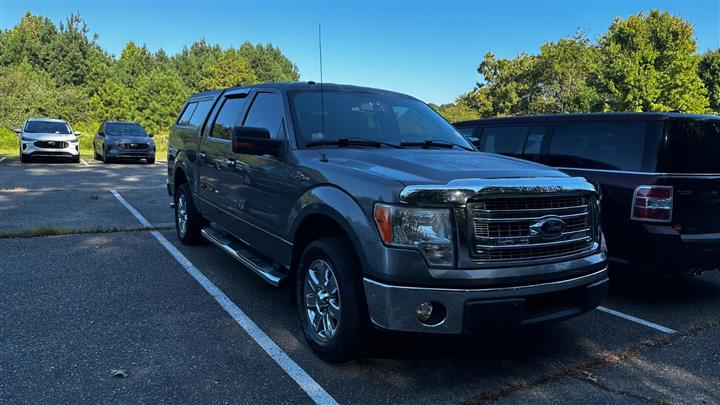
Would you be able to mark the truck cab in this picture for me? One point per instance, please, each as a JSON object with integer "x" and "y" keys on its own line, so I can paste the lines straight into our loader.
{"x": 378, "y": 214}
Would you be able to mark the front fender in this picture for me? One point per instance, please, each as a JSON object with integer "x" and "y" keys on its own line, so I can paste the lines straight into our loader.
{"x": 343, "y": 209}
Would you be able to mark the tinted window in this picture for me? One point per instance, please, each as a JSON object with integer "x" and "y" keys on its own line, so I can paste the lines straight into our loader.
{"x": 506, "y": 140}
{"x": 187, "y": 113}
{"x": 201, "y": 112}
{"x": 610, "y": 145}
{"x": 382, "y": 117}
{"x": 266, "y": 112}
{"x": 533, "y": 144}
{"x": 124, "y": 128}
{"x": 693, "y": 146}
{"x": 47, "y": 127}
{"x": 466, "y": 131}
{"x": 228, "y": 117}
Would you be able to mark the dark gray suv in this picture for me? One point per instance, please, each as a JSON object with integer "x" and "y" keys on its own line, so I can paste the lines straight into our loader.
{"x": 379, "y": 214}
{"x": 119, "y": 140}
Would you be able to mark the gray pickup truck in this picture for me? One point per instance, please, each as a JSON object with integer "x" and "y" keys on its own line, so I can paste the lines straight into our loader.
{"x": 378, "y": 214}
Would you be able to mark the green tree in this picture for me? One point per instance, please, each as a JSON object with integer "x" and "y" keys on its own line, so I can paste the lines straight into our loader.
{"x": 649, "y": 63}
{"x": 230, "y": 69}
{"x": 269, "y": 63}
{"x": 134, "y": 62}
{"x": 190, "y": 62}
{"x": 158, "y": 97}
{"x": 113, "y": 101}
{"x": 709, "y": 72}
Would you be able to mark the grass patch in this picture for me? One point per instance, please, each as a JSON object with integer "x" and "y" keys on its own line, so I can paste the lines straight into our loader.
{"x": 51, "y": 231}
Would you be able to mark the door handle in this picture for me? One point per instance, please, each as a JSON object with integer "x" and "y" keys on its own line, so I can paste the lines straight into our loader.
{"x": 203, "y": 154}
{"x": 230, "y": 162}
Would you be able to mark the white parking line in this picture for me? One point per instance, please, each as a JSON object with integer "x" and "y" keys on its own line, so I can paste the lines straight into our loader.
{"x": 636, "y": 320}
{"x": 303, "y": 379}
{"x": 84, "y": 162}
{"x": 1, "y": 159}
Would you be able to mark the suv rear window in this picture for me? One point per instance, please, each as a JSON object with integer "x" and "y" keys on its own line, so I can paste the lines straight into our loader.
{"x": 607, "y": 145}
{"x": 693, "y": 146}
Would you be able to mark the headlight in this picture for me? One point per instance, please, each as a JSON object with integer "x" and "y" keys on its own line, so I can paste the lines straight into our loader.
{"x": 426, "y": 229}
{"x": 27, "y": 139}
{"x": 73, "y": 140}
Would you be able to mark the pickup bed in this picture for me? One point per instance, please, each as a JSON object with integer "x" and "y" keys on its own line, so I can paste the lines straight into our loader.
{"x": 378, "y": 214}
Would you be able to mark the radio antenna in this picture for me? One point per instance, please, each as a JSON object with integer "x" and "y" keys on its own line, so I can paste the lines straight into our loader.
{"x": 323, "y": 158}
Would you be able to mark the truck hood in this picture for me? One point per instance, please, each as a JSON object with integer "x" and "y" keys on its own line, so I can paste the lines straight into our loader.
{"x": 49, "y": 136}
{"x": 434, "y": 166}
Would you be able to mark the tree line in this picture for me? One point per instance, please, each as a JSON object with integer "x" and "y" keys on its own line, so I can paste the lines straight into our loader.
{"x": 61, "y": 71}
{"x": 646, "y": 62}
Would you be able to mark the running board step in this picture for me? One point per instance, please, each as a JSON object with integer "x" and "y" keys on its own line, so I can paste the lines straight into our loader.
{"x": 244, "y": 255}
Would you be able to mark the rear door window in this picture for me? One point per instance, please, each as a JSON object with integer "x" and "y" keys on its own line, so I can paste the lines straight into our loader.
{"x": 607, "y": 145}
{"x": 693, "y": 146}
{"x": 509, "y": 140}
{"x": 200, "y": 113}
{"x": 534, "y": 142}
{"x": 186, "y": 114}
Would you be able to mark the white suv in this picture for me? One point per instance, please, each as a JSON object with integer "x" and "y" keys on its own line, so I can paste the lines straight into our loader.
{"x": 45, "y": 137}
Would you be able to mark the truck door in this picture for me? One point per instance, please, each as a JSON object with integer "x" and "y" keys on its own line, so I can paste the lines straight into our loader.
{"x": 214, "y": 156}
{"x": 261, "y": 188}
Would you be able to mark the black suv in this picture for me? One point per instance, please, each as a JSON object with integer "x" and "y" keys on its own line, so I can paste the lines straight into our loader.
{"x": 377, "y": 212}
{"x": 659, "y": 174}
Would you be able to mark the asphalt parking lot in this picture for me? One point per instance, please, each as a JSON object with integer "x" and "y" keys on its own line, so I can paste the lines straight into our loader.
{"x": 89, "y": 286}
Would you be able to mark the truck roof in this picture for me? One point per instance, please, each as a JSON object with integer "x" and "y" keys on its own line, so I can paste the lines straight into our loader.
{"x": 299, "y": 86}
{"x": 611, "y": 116}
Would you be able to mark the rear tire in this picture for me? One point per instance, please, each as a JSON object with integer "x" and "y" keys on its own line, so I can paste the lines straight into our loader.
{"x": 333, "y": 314}
{"x": 188, "y": 221}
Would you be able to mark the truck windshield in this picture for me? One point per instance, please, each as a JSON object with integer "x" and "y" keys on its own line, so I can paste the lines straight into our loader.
{"x": 390, "y": 119}
{"x": 124, "y": 128}
{"x": 47, "y": 127}
{"x": 693, "y": 146}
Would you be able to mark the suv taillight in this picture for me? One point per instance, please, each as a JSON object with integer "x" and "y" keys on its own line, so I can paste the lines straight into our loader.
{"x": 652, "y": 203}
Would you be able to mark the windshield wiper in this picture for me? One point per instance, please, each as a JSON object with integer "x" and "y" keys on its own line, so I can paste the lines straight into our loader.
{"x": 351, "y": 142}
{"x": 430, "y": 143}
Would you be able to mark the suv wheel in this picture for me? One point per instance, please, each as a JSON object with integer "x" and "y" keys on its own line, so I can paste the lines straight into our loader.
{"x": 96, "y": 154}
{"x": 188, "y": 221}
{"x": 150, "y": 161}
{"x": 24, "y": 158}
{"x": 330, "y": 301}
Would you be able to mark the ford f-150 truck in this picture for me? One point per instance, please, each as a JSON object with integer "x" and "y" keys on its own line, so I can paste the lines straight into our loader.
{"x": 379, "y": 214}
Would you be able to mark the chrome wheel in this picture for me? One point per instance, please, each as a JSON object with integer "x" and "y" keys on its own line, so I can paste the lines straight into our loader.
{"x": 182, "y": 214}
{"x": 322, "y": 300}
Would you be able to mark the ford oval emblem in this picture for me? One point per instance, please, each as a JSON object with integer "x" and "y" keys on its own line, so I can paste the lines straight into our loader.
{"x": 548, "y": 227}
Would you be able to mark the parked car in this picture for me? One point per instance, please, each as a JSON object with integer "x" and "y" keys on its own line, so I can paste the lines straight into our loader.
{"x": 379, "y": 214}
{"x": 659, "y": 174}
{"x": 116, "y": 140}
{"x": 48, "y": 138}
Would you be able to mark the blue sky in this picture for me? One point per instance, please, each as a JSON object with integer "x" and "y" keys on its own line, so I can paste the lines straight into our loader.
{"x": 429, "y": 49}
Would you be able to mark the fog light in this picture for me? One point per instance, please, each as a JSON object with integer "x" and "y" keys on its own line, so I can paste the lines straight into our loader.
{"x": 424, "y": 311}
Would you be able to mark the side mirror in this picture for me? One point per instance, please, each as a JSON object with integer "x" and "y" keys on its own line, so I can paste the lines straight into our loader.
{"x": 17, "y": 131}
{"x": 255, "y": 141}
{"x": 473, "y": 140}
{"x": 76, "y": 133}
{"x": 101, "y": 133}
{"x": 151, "y": 135}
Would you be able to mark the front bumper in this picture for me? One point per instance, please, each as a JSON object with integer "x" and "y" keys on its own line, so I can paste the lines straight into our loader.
{"x": 116, "y": 152}
{"x": 29, "y": 148}
{"x": 394, "y": 307}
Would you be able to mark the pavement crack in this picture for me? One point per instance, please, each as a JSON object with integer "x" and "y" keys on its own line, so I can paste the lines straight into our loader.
{"x": 581, "y": 371}
{"x": 588, "y": 378}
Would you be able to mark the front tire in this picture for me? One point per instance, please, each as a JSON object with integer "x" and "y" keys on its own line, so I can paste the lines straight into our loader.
{"x": 76, "y": 159}
{"x": 150, "y": 161}
{"x": 330, "y": 300}
{"x": 24, "y": 158}
{"x": 96, "y": 155}
{"x": 188, "y": 221}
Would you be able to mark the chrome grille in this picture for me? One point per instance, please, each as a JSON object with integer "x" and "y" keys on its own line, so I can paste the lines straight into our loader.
{"x": 51, "y": 144}
{"x": 133, "y": 145}
{"x": 505, "y": 229}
